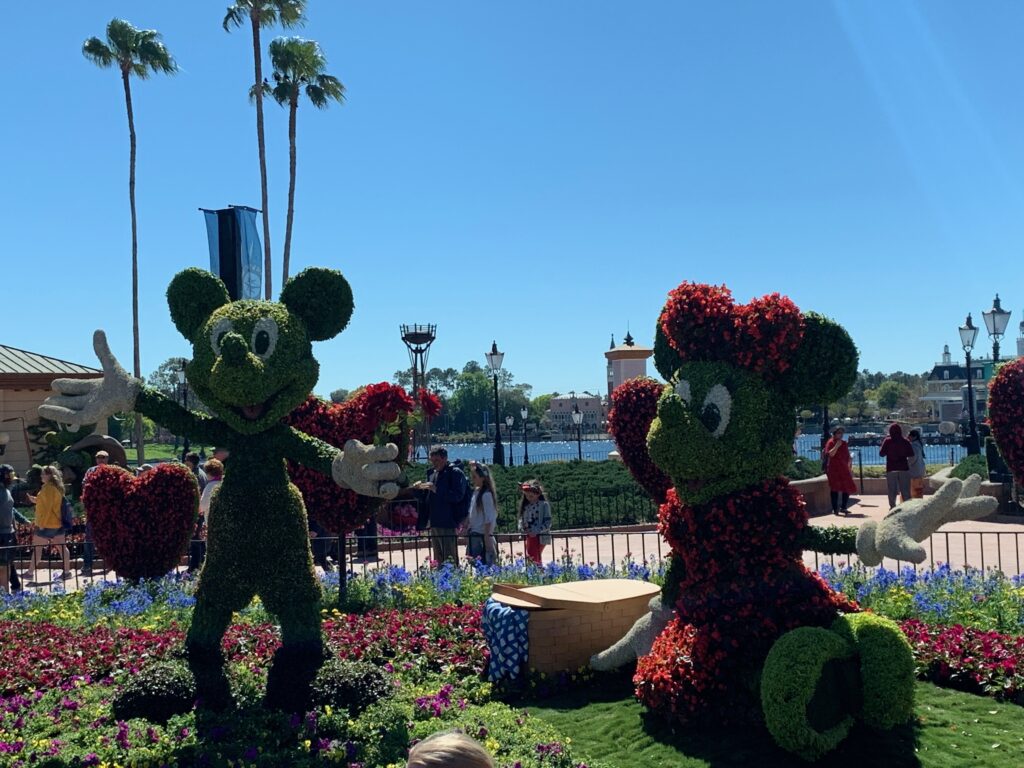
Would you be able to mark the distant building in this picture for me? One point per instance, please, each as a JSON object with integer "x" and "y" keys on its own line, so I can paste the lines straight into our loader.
{"x": 946, "y": 396}
{"x": 559, "y": 414}
{"x": 625, "y": 362}
{"x": 25, "y": 381}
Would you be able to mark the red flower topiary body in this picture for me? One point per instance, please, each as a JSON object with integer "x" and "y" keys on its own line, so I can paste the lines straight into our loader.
{"x": 744, "y": 585}
{"x": 335, "y": 508}
{"x": 141, "y": 525}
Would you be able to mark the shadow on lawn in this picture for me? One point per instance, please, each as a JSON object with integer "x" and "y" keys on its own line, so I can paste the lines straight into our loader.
{"x": 726, "y": 747}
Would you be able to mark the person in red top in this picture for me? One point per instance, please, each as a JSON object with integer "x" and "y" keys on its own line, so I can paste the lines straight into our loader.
{"x": 897, "y": 451}
{"x": 840, "y": 472}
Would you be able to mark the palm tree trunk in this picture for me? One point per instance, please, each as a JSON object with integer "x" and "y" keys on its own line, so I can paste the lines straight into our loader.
{"x": 257, "y": 56}
{"x": 293, "y": 108}
{"x": 140, "y": 447}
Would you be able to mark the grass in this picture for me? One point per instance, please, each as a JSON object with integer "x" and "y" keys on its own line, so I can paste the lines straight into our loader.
{"x": 953, "y": 729}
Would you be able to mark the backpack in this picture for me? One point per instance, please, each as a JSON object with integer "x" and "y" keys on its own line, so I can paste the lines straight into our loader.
{"x": 67, "y": 514}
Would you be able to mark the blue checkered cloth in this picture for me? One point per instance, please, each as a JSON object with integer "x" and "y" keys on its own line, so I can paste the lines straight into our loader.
{"x": 506, "y": 631}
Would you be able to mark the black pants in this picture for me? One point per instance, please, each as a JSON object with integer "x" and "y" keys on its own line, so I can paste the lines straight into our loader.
{"x": 835, "y": 500}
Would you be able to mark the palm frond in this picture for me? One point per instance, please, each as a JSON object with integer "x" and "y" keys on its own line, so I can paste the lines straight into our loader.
{"x": 236, "y": 15}
{"x": 154, "y": 54}
{"x": 254, "y": 89}
{"x": 96, "y": 51}
{"x": 282, "y": 92}
{"x": 291, "y": 12}
{"x": 323, "y": 89}
{"x": 122, "y": 37}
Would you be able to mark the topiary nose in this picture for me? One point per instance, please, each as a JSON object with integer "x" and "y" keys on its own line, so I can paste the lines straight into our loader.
{"x": 233, "y": 349}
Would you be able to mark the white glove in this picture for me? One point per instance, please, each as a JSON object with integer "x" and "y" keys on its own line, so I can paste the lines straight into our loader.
{"x": 898, "y": 533}
{"x": 366, "y": 469}
{"x": 89, "y": 401}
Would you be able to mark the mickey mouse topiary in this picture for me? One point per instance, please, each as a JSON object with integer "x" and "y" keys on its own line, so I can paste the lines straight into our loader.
{"x": 712, "y": 445}
{"x": 252, "y": 364}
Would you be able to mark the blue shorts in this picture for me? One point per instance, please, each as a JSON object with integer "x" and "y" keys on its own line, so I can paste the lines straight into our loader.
{"x": 48, "y": 533}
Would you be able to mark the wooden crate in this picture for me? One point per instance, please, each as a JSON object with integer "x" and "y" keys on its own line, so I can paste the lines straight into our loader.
{"x": 572, "y": 621}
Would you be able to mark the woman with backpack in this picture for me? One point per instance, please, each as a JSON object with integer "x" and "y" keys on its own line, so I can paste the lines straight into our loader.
{"x": 49, "y": 528}
{"x": 483, "y": 515}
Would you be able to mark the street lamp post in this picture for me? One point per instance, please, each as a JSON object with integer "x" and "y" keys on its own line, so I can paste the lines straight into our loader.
{"x": 996, "y": 320}
{"x": 509, "y": 421}
{"x": 577, "y": 419}
{"x": 524, "y": 412}
{"x": 184, "y": 404}
{"x": 968, "y": 335}
{"x": 494, "y": 358}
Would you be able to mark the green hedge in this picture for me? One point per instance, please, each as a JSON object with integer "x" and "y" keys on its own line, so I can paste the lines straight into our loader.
{"x": 971, "y": 465}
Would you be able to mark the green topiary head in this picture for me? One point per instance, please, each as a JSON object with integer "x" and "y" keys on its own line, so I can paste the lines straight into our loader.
{"x": 252, "y": 361}
{"x": 735, "y": 374}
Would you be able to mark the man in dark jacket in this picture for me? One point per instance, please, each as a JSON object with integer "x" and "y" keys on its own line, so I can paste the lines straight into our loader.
{"x": 897, "y": 451}
{"x": 445, "y": 489}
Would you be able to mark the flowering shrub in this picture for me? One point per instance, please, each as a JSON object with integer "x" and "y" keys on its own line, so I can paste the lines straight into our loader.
{"x": 141, "y": 525}
{"x": 1006, "y": 414}
{"x": 988, "y": 663}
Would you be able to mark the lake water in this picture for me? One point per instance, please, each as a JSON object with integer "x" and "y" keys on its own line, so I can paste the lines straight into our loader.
{"x": 807, "y": 446}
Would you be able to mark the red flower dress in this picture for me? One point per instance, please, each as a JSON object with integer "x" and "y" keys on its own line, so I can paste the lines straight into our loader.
{"x": 840, "y": 478}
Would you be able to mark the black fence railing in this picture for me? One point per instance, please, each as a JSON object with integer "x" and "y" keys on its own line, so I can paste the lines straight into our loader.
{"x": 983, "y": 550}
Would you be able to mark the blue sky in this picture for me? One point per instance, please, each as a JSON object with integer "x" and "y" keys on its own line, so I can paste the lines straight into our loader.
{"x": 539, "y": 174}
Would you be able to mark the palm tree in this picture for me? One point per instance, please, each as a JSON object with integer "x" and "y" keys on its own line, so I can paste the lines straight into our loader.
{"x": 263, "y": 13}
{"x": 299, "y": 64}
{"x": 134, "y": 52}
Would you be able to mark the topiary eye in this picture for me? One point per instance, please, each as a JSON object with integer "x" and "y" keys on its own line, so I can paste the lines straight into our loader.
{"x": 219, "y": 331}
{"x": 682, "y": 389}
{"x": 715, "y": 412}
{"x": 264, "y": 338}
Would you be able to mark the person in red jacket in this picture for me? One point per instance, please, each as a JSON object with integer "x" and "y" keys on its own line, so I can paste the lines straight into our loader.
{"x": 897, "y": 451}
{"x": 839, "y": 469}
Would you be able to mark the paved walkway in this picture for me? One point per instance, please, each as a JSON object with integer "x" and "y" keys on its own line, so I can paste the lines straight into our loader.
{"x": 992, "y": 543}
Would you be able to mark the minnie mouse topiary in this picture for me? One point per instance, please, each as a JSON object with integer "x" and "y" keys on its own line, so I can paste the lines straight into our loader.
{"x": 712, "y": 445}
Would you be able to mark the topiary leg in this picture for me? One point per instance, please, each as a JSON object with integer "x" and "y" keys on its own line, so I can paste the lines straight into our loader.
{"x": 886, "y": 665}
{"x": 804, "y": 691}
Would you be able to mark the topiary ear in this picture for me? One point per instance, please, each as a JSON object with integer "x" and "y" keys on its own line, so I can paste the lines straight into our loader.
{"x": 322, "y": 298}
{"x": 825, "y": 366}
{"x": 193, "y": 295}
{"x": 666, "y": 359}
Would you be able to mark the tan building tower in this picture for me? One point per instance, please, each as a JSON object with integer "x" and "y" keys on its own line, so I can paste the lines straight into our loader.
{"x": 626, "y": 361}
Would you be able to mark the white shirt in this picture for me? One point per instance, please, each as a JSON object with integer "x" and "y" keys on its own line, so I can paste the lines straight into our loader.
{"x": 478, "y": 518}
{"x": 204, "y": 500}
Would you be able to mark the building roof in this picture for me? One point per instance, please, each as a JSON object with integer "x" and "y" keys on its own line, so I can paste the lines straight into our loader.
{"x": 17, "y": 361}
{"x": 30, "y": 370}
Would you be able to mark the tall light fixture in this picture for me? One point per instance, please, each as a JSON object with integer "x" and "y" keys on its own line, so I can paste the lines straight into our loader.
{"x": 968, "y": 335}
{"x": 184, "y": 404}
{"x": 996, "y": 320}
{"x": 509, "y": 421}
{"x": 494, "y": 358}
{"x": 524, "y": 412}
{"x": 577, "y": 419}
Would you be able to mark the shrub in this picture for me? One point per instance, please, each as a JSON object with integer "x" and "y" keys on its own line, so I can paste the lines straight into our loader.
{"x": 886, "y": 667}
{"x": 381, "y": 733}
{"x": 354, "y": 685}
{"x": 971, "y": 465}
{"x": 790, "y": 677}
{"x": 157, "y": 693}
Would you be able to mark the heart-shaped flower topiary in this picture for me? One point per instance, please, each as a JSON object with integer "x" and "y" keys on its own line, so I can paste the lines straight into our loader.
{"x": 1006, "y": 415}
{"x": 141, "y": 525}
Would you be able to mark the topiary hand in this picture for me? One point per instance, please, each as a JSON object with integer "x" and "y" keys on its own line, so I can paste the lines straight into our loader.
{"x": 92, "y": 400}
{"x": 899, "y": 532}
{"x": 367, "y": 469}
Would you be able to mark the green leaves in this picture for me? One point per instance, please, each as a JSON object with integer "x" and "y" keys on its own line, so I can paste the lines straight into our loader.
{"x": 135, "y": 51}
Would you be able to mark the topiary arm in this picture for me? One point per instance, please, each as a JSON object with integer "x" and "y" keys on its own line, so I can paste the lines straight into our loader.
{"x": 366, "y": 469}
{"x": 181, "y": 421}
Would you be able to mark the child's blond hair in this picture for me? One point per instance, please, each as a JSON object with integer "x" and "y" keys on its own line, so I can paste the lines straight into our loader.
{"x": 451, "y": 749}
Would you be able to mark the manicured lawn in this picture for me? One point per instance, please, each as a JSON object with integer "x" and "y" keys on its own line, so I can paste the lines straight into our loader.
{"x": 953, "y": 730}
